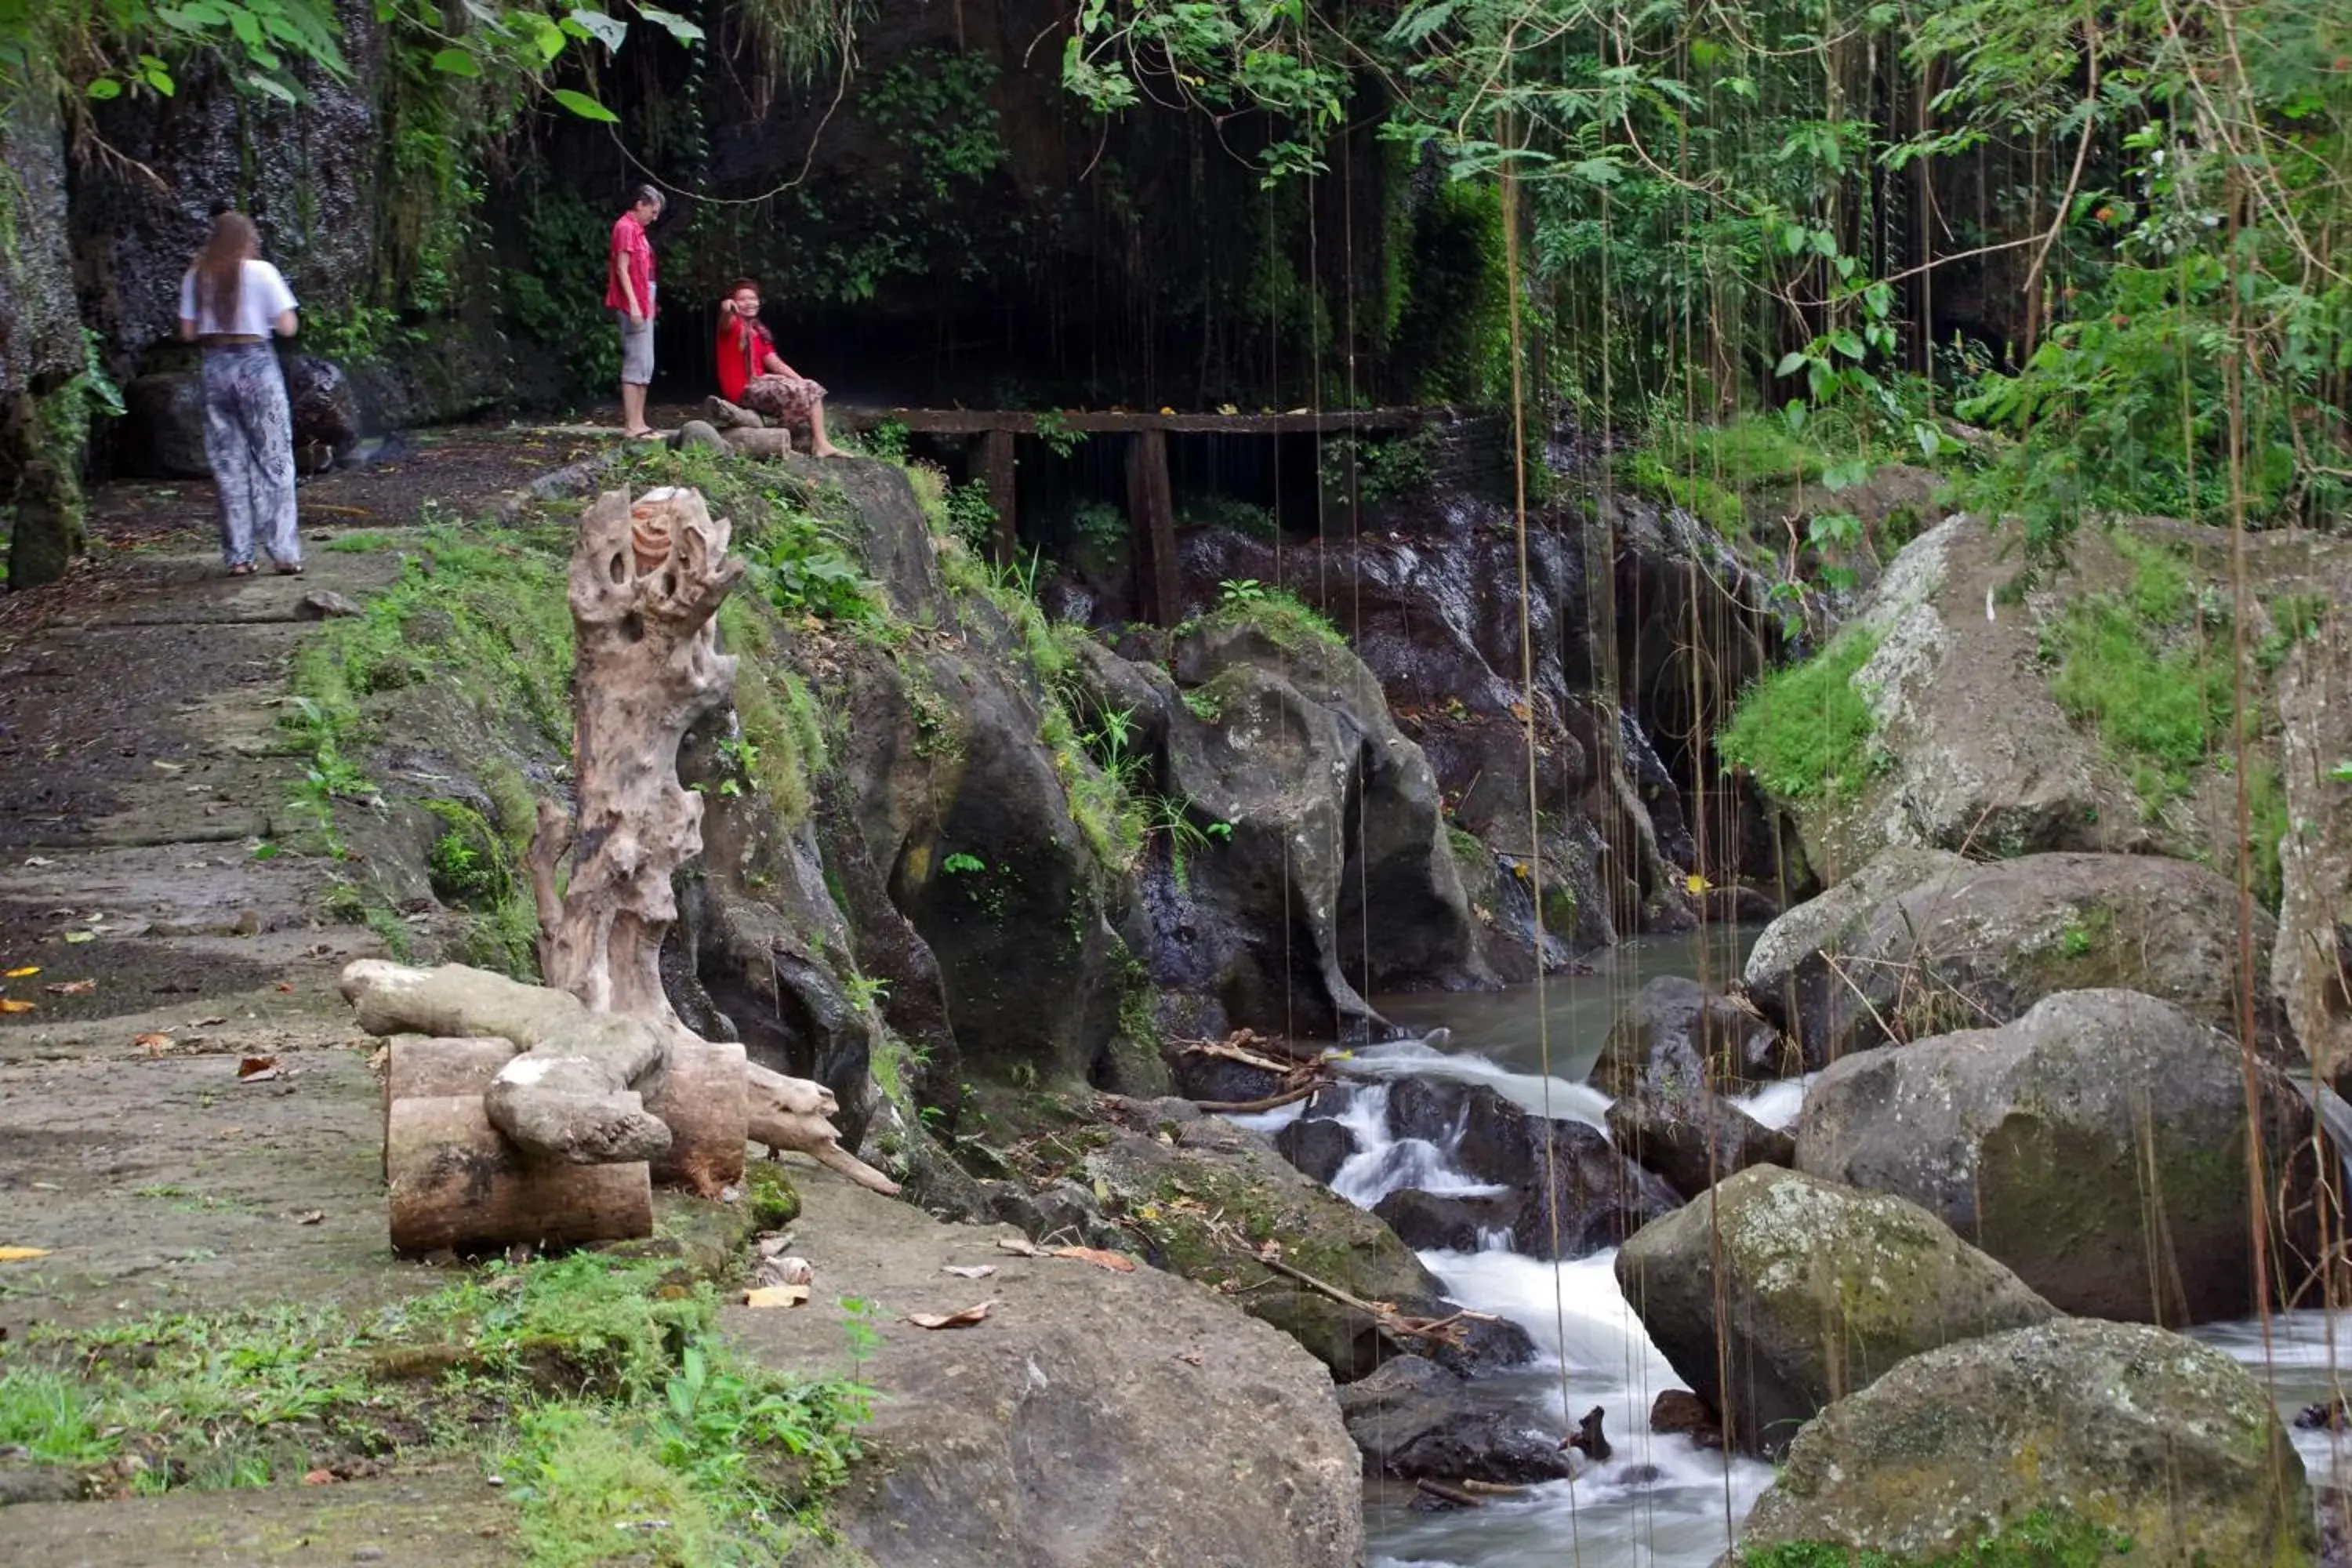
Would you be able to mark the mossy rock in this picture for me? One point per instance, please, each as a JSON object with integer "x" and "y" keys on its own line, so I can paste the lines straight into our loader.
{"x": 2118, "y": 1426}
{"x": 2101, "y": 1129}
{"x": 769, "y": 1200}
{"x": 1812, "y": 1290}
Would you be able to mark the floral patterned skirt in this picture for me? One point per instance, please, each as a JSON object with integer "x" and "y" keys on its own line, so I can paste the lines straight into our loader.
{"x": 786, "y": 399}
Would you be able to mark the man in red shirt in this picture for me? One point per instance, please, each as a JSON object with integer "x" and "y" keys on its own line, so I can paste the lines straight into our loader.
{"x": 629, "y": 295}
{"x": 750, "y": 374}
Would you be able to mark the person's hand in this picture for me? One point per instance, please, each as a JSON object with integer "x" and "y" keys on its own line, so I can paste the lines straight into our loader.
{"x": 637, "y": 318}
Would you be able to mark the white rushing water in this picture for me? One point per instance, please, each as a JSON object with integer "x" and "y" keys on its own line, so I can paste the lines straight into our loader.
{"x": 1659, "y": 1501}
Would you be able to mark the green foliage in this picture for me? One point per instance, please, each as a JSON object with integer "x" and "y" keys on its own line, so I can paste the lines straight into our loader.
{"x": 1806, "y": 731}
{"x": 887, "y": 441}
{"x": 1247, "y": 519}
{"x": 2162, "y": 707}
{"x": 469, "y": 863}
{"x": 1279, "y": 615}
{"x": 971, "y": 519}
{"x": 1060, "y": 438}
{"x": 561, "y": 234}
{"x": 601, "y": 1378}
{"x": 1100, "y": 524}
{"x": 355, "y": 334}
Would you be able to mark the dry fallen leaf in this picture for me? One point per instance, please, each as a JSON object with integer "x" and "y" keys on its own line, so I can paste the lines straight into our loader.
{"x": 1020, "y": 1246}
{"x": 285, "y": 985}
{"x": 320, "y": 1479}
{"x": 10, "y": 1005}
{"x": 313, "y": 1216}
{"x": 1190, "y": 1358}
{"x": 256, "y": 1070}
{"x": 72, "y": 988}
{"x": 962, "y": 1320}
{"x": 21, "y": 1254}
{"x": 25, "y": 973}
{"x": 968, "y": 1271}
{"x": 776, "y": 1296}
{"x": 81, "y": 936}
{"x": 1117, "y": 1262}
{"x": 207, "y": 1023}
{"x": 151, "y": 1044}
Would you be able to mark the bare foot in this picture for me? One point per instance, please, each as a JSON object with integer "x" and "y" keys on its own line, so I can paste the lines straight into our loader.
{"x": 639, "y": 434}
{"x": 826, "y": 449}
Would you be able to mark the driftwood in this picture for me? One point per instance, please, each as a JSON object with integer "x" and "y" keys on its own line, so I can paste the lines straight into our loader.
{"x": 1448, "y": 1492}
{"x": 606, "y": 1074}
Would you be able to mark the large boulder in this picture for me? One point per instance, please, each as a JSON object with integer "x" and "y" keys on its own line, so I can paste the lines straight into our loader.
{"x": 1213, "y": 1200}
{"x": 164, "y": 426}
{"x": 2112, "y": 1426}
{"x": 1921, "y": 942}
{"x": 1803, "y": 1291}
{"x": 1669, "y": 1060}
{"x": 1413, "y": 1418}
{"x": 1334, "y": 875}
{"x": 326, "y": 411}
{"x": 2097, "y": 1146}
{"x": 1568, "y": 1192}
{"x": 1094, "y": 1418}
{"x": 2311, "y": 967}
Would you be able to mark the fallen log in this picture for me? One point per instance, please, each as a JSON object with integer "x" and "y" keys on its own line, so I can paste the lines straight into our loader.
{"x": 425, "y": 1067}
{"x": 455, "y": 1182}
{"x": 703, "y": 1099}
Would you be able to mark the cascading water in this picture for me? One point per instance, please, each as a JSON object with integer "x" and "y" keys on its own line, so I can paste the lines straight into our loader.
{"x": 1658, "y": 1501}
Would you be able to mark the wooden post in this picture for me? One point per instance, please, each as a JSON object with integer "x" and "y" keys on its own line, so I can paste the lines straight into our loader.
{"x": 1151, "y": 518}
{"x": 996, "y": 471}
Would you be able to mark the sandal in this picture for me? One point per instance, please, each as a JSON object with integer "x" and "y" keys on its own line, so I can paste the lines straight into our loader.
{"x": 293, "y": 571}
{"x": 242, "y": 569}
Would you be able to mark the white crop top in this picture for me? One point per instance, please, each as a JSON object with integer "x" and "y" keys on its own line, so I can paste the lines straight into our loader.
{"x": 261, "y": 298}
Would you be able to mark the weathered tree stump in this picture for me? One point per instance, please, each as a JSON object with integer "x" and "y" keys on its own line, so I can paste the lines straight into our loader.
{"x": 453, "y": 1181}
{"x": 605, "y": 1076}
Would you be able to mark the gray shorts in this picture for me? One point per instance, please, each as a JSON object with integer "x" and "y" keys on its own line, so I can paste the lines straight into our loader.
{"x": 637, "y": 349}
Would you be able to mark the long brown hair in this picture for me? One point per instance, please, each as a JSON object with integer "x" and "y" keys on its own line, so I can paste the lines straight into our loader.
{"x": 220, "y": 266}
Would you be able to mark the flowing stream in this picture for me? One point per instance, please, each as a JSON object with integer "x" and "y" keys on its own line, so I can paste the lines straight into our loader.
{"x": 1658, "y": 1501}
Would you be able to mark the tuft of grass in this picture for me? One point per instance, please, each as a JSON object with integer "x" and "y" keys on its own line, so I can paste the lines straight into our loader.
{"x": 1282, "y": 617}
{"x": 361, "y": 542}
{"x": 1806, "y": 731}
{"x": 596, "y": 1382}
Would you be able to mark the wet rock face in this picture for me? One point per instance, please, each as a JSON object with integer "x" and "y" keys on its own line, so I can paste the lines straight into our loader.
{"x": 2162, "y": 1440}
{"x": 164, "y": 429}
{"x": 40, "y": 333}
{"x": 1812, "y": 1290}
{"x": 1921, "y": 942}
{"x": 1413, "y": 1418}
{"x": 1566, "y": 1191}
{"x": 2099, "y": 1130}
{"x": 1334, "y": 875}
{"x": 306, "y": 175}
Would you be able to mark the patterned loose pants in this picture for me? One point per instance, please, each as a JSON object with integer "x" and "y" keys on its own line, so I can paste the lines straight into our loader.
{"x": 249, "y": 436}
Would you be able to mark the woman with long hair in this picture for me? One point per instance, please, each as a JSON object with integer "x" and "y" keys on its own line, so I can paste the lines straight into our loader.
{"x": 231, "y": 302}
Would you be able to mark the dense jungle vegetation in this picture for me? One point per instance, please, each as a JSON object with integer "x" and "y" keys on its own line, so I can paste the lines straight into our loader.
{"x": 2108, "y": 234}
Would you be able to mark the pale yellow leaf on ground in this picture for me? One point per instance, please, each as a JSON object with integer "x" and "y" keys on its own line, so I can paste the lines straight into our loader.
{"x": 1020, "y": 1246}
{"x": 28, "y": 970}
{"x": 10, "y": 1005}
{"x": 21, "y": 1254}
{"x": 776, "y": 1296}
{"x": 962, "y": 1320}
{"x": 81, "y": 936}
{"x": 968, "y": 1271}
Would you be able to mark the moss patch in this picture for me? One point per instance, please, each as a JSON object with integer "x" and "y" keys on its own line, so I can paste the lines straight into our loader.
{"x": 1806, "y": 733}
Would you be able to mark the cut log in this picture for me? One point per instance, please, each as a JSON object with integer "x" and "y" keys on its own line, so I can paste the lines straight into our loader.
{"x": 455, "y": 1182}
{"x": 701, "y": 1099}
{"x": 422, "y": 1067}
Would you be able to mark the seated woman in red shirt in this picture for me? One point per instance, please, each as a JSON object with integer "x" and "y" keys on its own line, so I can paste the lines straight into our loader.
{"x": 751, "y": 376}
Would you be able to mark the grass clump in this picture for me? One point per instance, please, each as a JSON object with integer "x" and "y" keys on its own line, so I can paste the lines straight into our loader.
{"x": 596, "y": 1384}
{"x": 1279, "y": 615}
{"x": 1806, "y": 733}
